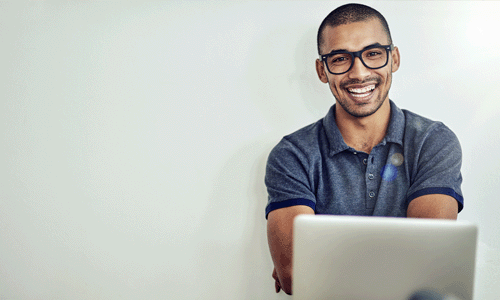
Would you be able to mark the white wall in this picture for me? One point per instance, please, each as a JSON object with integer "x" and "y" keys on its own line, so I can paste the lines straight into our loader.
{"x": 134, "y": 136}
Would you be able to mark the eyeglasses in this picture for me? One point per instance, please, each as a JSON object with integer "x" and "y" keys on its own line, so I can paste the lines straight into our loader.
{"x": 341, "y": 61}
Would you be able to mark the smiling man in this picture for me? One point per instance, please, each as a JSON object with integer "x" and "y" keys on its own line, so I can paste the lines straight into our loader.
{"x": 366, "y": 156}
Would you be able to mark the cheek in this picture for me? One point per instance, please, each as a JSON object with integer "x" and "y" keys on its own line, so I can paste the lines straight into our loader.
{"x": 388, "y": 78}
{"x": 336, "y": 84}
{"x": 335, "y": 87}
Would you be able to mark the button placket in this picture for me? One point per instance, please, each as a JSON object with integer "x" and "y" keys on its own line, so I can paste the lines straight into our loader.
{"x": 371, "y": 182}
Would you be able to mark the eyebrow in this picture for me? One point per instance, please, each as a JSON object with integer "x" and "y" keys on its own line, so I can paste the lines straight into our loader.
{"x": 335, "y": 51}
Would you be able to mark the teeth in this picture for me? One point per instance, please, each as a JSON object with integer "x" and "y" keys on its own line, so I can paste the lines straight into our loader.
{"x": 362, "y": 90}
{"x": 360, "y": 95}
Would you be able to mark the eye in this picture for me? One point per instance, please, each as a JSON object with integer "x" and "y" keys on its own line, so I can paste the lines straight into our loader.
{"x": 373, "y": 53}
{"x": 338, "y": 59}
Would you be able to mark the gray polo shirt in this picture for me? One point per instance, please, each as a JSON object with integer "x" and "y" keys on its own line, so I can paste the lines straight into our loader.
{"x": 313, "y": 166}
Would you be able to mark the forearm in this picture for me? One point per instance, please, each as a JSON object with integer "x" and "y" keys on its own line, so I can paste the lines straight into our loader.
{"x": 279, "y": 235}
{"x": 280, "y": 238}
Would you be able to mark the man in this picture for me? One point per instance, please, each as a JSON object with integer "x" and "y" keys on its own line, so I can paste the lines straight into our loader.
{"x": 366, "y": 156}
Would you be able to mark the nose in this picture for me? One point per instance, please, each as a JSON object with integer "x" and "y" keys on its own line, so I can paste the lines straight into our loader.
{"x": 358, "y": 70}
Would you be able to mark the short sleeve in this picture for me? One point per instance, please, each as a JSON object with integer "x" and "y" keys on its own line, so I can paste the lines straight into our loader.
{"x": 287, "y": 178}
{"x": 436, "y": 165}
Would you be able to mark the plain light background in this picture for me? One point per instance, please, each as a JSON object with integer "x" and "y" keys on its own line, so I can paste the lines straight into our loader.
{"x": 134, "y": 136}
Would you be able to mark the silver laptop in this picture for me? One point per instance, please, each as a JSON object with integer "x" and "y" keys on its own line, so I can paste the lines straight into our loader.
{"x": 346, "y": 257}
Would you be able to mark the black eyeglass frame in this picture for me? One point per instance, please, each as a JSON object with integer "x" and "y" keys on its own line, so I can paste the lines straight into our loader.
{"x": 357, "y": 54}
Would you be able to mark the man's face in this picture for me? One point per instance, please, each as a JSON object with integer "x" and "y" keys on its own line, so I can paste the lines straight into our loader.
{"x": 361, "y": 91}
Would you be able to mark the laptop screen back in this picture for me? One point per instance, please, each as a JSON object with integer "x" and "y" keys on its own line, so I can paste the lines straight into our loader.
{"x": 346, "y": 257}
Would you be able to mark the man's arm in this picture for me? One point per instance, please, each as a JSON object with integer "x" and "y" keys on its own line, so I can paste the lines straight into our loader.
{"x": 279, "y": 237}
{"x": 433, "y": 206}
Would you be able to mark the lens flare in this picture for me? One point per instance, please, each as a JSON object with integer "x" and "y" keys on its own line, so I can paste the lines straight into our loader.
{"x": 397, "y": 159}
{"x": 389, "y": 172}
{"x": 418, "y": 125}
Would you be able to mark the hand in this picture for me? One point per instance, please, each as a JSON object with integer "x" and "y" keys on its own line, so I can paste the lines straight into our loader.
{"x": 277, "y": 284}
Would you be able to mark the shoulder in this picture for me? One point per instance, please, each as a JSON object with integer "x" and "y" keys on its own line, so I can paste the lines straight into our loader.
{"x": 306, "y": 135}
{"x": 420, "y": 130}
{"x": 430, "y": 144}
{"x": 303, "y": 142}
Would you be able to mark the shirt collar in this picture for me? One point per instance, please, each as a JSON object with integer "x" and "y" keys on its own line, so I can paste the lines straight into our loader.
{"x": 395, "y": 130}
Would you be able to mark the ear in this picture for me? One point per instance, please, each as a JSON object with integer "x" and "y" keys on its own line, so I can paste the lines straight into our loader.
{"x": 396, "y": 59}
{"x": 320, "y": 69}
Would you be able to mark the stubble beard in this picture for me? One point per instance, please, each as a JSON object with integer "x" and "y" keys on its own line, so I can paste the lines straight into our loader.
{"x": 351, "y": 108}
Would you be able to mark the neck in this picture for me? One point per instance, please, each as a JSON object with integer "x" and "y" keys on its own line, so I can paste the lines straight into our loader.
{"x": 363, "y": 133}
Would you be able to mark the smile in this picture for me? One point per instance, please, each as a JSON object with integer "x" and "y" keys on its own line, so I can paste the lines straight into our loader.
{"x": 361, "y": 92}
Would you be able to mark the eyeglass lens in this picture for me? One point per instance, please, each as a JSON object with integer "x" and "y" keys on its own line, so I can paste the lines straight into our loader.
{"x": 373, "y": 58}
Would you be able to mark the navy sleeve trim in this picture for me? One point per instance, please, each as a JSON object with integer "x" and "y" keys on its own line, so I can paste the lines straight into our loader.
{"x": 439, "y": 190}
{"x": 287, "y": 203}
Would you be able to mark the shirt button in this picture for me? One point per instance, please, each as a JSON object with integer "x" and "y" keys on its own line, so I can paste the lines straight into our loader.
{"x": 371, "y": 194}
{"x": 365, "y": 161}
{"x": 370, "y": 176}
{"x": 355, "y": 152}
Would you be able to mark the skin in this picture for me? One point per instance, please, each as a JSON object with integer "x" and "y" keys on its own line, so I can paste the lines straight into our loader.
{"x": 362, "y": 123}
{"x": 279, "y": 236}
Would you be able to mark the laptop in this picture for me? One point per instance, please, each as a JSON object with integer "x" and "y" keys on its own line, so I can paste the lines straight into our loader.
{"x": 352, "y": 257}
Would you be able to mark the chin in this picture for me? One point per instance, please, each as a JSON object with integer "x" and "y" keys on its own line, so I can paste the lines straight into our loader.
{"x": 361, "y": 114}
{"x": 363, "y": 111}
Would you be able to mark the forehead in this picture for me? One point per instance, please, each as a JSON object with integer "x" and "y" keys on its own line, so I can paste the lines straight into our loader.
{"x": 354, "y": 36}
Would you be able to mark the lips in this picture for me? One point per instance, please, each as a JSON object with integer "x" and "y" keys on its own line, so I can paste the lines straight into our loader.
{"x": 361, "y": 92}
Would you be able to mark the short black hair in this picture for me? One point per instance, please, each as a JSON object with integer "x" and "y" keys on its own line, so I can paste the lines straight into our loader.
{"x": 350, "y": 13}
